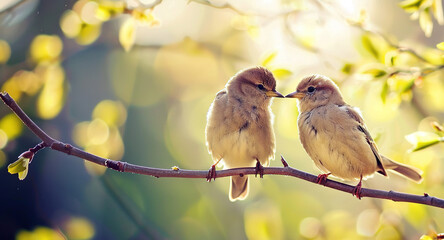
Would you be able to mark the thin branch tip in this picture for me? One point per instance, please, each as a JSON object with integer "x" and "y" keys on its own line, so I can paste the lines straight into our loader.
{"x": 3, "y": 96}
{"x": 283, "y": 161}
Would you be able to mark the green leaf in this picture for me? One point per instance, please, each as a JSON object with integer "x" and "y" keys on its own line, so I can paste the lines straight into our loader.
{"x": 281, "y": 73}
{"x": 16, "y": 166}
{"x": 440, "y": 46}
{"x": 347, "y": 68}
{"x": 20, "y": 166}
{"x": 390, "y": 57}
{"x": 401, "y": 83}
{"x": 407, "y": 86}
{"x": 269, "y": 58}
{"x": 410, "y": 5}
{"x": 369, "y": 46}
{"x": 421, "y": 140}
{"x": 375, "y": 72}
{"x": 384, "y": 92}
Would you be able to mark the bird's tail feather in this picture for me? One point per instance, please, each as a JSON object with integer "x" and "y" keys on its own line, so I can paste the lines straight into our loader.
{"x": 238, "y": 188}
{"x": 409, "y": 172}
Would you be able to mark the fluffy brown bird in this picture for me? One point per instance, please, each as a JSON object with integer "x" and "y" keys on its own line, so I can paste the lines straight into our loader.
{"x": 334, "y": 135}
{"x": 239, "y": 126}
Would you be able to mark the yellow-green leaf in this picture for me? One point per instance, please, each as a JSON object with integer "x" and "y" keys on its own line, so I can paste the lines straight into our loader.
{"x": 401, "y": 83}
{"x": 281, "y": 73}
{"x": 384, "y": 92}
{"x": 20, "y": 166}
{"x": 410, "y": 5}
{"x": 5, "y": 51}
{"x": 369, "y": 46}
{"x": 268, "y": 58}
{"x": 375, "y": 72}
{"x": 390, "y": 57}
{"x": 127, "y": 34}
{"x": 437, "y": 11}
{"x": 440, "y": 46}
{"x": 425, "y": 22}
{"x": 421, "y": 140}
{"x": 347, "y": 68}
{"x": 426, "y": 237}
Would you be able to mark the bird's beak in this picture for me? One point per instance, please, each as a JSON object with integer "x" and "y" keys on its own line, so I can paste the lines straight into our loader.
{"x": 296, "y": 94}
{"x": 274, "y": 93}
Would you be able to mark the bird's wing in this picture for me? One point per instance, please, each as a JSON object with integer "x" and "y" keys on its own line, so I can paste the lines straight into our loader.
{"x": 220, "y": 124}
{"x": 353, "y": 113}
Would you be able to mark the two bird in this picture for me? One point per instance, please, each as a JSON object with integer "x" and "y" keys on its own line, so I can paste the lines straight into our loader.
{"x": 239, "y": 131}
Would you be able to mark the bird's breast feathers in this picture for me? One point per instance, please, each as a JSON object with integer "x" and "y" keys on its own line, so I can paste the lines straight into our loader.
{"x": 239, "y": 137}
{"x": 325, "y": 135}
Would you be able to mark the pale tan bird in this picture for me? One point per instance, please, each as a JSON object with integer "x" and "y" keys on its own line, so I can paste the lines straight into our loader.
{"x": 239, "y": 126}
{"x": 335, "y": 137}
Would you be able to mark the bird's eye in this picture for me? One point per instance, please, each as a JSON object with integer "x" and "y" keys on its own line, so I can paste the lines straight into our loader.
{"x": 261, "y": 87}
{"x": 311, "y": 89}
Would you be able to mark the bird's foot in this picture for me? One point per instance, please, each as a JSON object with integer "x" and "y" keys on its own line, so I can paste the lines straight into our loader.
{"x": 259, "y": 169}
{"x": 211, "y": 173}
{"x": 322, "y": 178}
{"x": 357, "y": 190}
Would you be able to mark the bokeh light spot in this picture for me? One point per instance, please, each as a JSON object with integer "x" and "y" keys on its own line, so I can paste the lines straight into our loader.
{"x": 43, "y": 233}
{"x": 50, "y": 101}
{"x": 2, "y": 159}
{"x": 263, "y": 221}
{"x": 97, "y": 132}
{"x": 115, "y": 144}
{"x": 12, "y": 87}
{"x": 368, "y": 222}
{"x": 5, "y": 51}
{"x": 187, "y": 63}
{"x": 46, "y": 48}
{"x": 310, "y": 227}
{"x": 88, "y": 33}
{"x": 111, "y": 112}
{"x": 3, "y": 139}
{"x": 134, "y": 80}
{"x": 80, "y": 133}
{"x": 71, "y": 24}
{"x": 29, "y": 82}
{"x": 79, "y": 228}
{"x": 88, "y": 13}
{"x": 11, "y": 125}
{"x": 92, "y": 168}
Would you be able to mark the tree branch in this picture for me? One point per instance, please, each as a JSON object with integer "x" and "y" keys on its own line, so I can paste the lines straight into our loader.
{"x": 182, "y": 173}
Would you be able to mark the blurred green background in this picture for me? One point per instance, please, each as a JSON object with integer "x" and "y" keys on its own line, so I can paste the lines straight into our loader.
{"x": 133, "y": 80}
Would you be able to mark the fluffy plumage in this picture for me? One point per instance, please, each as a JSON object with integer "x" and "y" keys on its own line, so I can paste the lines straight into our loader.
{"x": 239, "y": 125}
{"x": 334, "y": 134}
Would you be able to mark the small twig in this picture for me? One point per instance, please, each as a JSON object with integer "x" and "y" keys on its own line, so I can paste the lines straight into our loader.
{"x": 181, "y": 173}
{"x": 9, "y": 101}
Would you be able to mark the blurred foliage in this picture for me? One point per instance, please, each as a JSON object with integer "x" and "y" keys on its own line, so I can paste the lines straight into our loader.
{"x": 424, "y": 10}
{"x": 132, "y": 81}
{"x": 421, "y": 139}
{"x": 39, "y": 233}
{"x": 101, "y": 136}
{"x": 5, "y": 51}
